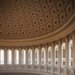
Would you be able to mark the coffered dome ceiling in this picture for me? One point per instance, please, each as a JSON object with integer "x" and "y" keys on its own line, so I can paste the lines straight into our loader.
{"x": 25, "y": 19}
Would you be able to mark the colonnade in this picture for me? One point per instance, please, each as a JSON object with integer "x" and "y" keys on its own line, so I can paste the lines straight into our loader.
{"x": 57, "y": 57}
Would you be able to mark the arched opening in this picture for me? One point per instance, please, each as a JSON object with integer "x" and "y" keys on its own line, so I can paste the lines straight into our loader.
{"x": 43, "y": 56}
{"x": 23, "y": 56}
{"x": 36, "y": 56}
{"x": 9, "y": 57}
{"x": 1, "y": 56}
{"x": 71, "y": 53}
{"x": 63, "y": 54}
{"x": 16, "y": 56}
{"x": 56, "y": 55}
{"x": 30, "y": 57}
{"x": 49, "y": 55}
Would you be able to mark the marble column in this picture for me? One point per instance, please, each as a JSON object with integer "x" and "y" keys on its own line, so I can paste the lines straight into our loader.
{"x": 46, "y": 47}
{"x": 5, "y": 58}
{"x": 59, "y": 55}
{"x": 12, "y": 56}
{"x": 5, "y": 55}
{"x": 33, "y": 57}
{"x": 39, "y": 57}
{"x": 74, "y": 52}
{"x": 67, "y": 54}
{"x": 26, "y": 58}
{"x": 52, "y": 58}
{"x": 19, "y": 58}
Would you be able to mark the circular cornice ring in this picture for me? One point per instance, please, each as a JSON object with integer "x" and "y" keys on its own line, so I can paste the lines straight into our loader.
{"x": 67, "y": 29}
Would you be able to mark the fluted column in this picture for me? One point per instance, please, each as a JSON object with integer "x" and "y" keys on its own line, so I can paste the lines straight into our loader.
{"x": 46, "y": 47}
{"x": 52, "y": 57}
{"x": 26, "y": 58}
{"x": 19, "y": 55}
{"x": 67, "y": 52}
{"x": 12, "y": 56}
{"x": 59, "y": 55}
{"x": 33, "y": 57}
{"x": 54, "y": 54}
{"x": 39, "y": 58}
{"x": 19, "y": 58}
{"x": 5, "y": 56}
{"x": 74, "y": 52}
